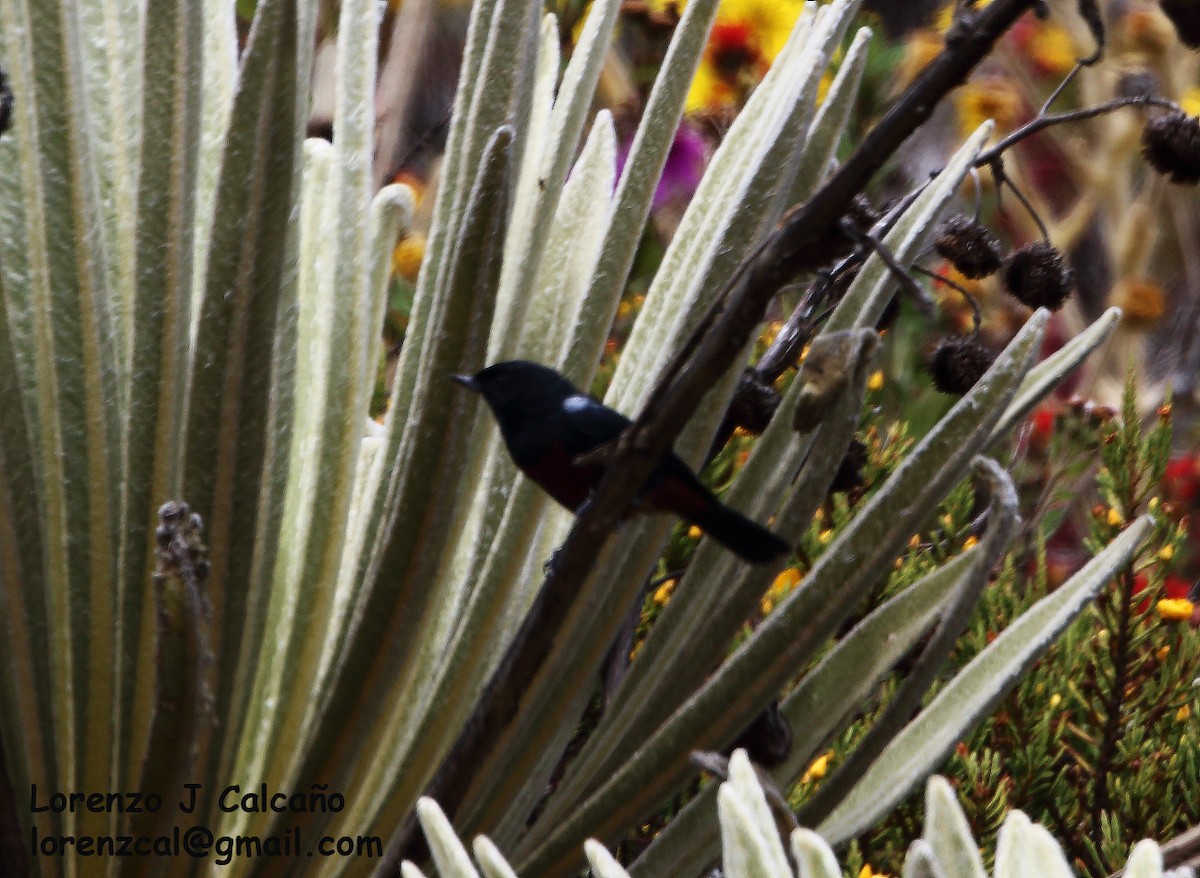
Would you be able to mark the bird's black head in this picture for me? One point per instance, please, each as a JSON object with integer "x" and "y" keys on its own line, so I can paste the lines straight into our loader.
{"x": 518, "y": 388}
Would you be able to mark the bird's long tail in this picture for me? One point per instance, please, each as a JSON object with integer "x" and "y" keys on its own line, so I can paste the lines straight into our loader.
{"x": 745, "y": 538}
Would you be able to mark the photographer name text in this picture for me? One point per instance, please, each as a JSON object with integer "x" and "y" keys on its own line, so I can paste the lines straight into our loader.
{"x": 232, "y": 799}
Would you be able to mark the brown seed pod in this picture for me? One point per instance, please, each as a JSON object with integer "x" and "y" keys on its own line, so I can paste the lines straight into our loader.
{"x": 768, "y": 738}
{"x": 1185, "y": 15}
{"x": 958, "y": 363}
{"x": 849, "y": 472}
{"x": 1038, "y": 276}
{"x": 1137, "y": 84}
{"x": 754, "y": 403}
{"x": 1171, "y": 144}
{"x": 969, "y": 246}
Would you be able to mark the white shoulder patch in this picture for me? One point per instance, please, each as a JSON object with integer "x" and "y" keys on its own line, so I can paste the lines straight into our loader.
{"x": 577, "y": 403}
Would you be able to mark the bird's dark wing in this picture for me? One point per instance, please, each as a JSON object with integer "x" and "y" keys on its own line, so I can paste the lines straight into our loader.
{"x": 589, "y": 424}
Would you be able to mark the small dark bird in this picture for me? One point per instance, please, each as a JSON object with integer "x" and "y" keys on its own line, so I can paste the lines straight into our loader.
{"x": 548, "y": 425}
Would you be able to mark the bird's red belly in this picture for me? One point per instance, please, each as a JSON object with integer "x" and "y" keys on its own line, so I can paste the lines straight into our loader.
{"x": 557, "y": 474}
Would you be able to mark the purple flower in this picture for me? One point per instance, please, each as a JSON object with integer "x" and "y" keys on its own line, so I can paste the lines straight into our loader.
{"x": 684, "y": 167}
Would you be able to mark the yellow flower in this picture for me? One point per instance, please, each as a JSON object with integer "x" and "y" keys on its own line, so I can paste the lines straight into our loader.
{"x": 823, "y": 86}
{"x": 407, "y": 257}
{"x": 970, "y": 543}
{"x": 745, "y": 39}
{"x": 944, "y": 18}
{"x": 1175, "y": 609}
{"x": 785, "y": 581}
{"x": 1184, "y": 713}
{"x": 1051, "y": 49}
{"x": 1163, "y": 652}
{"x": 694, "y": 532}
{"x": 819, "y": 767}
{"x": 1190, "y": 101}
{"x": 1114, "y": 517}
{"x": 867, "y": 872}
{"x": 770, "y": 331}
{"x": 990, "y": 97}
{"x": 1055, "y": 700}
{"x": 945, "y": 15}
{"x": 824, "y": 537}
{"x": 875, "y": 382}
{"x": 662, "y": 594}
{"x": 1166, "y": 553}
{"x": 922, "y": 47}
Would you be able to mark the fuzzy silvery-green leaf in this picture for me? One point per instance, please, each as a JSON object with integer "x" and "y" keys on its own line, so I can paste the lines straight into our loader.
{"x": 814, "y": 858}
{"x": 491, "y": 861}
{"x": 747, "y": 824}
{"x": 1025, "y": 848}
{"x": 603, "y": 864}
{"x": 919, "y": 861}
{"x": 1145, "y": 861}
{"x": 948, "y": 833}
{"x": 449, "y": 855}
{"x": 829, "y": 124}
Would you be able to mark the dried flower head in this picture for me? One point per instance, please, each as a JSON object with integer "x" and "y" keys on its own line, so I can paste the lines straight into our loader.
{"x": 958, "y": 363}
{"x": 1185, "y": 15}
{"x": 754, "y": 402}
{"x": 1139, "y": 83}
{"x": 768, "y": 738}
{"x": 1171, "y": 144}
{"x": 1038, "y": 276}
{"x": 969, "y": 246}
{"x": 849, "y": 475}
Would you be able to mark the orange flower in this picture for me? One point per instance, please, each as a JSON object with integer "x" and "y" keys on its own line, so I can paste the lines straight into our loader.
{"x": 990, "y": 97}
{"x": 1141, "y": 299}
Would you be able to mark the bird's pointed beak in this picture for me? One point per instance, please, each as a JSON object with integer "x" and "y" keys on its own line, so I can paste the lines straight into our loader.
{"x": 466, "y": 381}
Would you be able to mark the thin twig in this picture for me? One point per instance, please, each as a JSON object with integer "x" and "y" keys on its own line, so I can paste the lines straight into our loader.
{"x": 1042, "y": 122}
{"x": 1060, "y": 88}
{"x": 971, "y": 300}
{"x": 907, "y": 284}
{"x": 1002, "y": 180}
